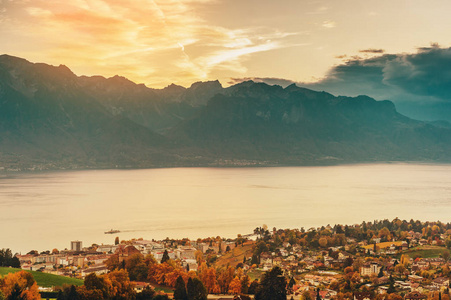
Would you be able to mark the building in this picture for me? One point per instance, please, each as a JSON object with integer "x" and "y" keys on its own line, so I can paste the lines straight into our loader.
{"x": 415, "y": 295}
{"x": 362, "y": 296}
{"x": 370, "y": 269}
{"x": 75, "y": 245}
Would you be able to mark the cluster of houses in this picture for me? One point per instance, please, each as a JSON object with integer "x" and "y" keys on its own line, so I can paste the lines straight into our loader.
{"x": 312, "y": 269}
{"x": 80, "y": 261}
{"x": 318, "y": 269}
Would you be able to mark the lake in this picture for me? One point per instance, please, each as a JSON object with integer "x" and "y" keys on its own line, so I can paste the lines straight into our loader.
{"x": 43, "y": 211}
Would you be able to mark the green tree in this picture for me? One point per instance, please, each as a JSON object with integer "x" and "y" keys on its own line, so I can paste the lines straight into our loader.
{"x": 272, "y": 286}
{"x": 291, "y": 283}
{"x": 391, "y": 287}
{"x": 180, "y": 289}
{"x": 165, "y": 257}
{"x": 72, "y": 293}
{"x": 255, "y": 260}
{"x": 245, "y": 284}
{"x": 381, "y": 273}
{"x": 16, "y": 293}
{"x": 146, "y": 294}
{"x": 196, "y": 289}
{"x": 253, "y": 287}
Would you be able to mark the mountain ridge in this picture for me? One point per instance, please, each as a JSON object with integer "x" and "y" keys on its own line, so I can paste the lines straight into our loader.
{"x": 51, "y": 118}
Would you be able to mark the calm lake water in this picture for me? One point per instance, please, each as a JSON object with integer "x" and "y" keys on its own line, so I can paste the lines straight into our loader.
{"x": 48, "y": 210}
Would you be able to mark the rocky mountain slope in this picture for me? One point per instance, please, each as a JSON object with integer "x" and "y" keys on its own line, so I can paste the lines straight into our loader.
{"x": 51, "y": 118}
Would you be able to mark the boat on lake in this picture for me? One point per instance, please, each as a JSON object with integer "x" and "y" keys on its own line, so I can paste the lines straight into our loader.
{"x": 112, "y": 231}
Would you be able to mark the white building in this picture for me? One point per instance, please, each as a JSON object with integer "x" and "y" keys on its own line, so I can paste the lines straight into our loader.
{"x": 370, "y": 269}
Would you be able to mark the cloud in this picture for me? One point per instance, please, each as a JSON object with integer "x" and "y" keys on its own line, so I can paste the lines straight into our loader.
{"x": 419, "y": 83}
{"x": 329, "y": 24}
{"x": 425, "y": 73}
{"x": 137, "y": 39}
{"x": 371, "y": 50}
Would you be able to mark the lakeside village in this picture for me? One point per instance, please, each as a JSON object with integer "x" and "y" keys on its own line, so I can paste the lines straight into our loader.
{"x": 374, "y": 260}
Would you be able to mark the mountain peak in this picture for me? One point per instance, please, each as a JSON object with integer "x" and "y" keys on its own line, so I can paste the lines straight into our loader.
{"x": 211, "y": 84}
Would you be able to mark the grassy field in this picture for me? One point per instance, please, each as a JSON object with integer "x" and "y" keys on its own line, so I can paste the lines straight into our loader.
{"x": 44, "y": 279}
{"x": 235, "y": 256}
{"x": 383, "y": 245}
{"x": 424, "y": 251}
{"x": 255, "y": 274}
{"x": 163, "y": 288}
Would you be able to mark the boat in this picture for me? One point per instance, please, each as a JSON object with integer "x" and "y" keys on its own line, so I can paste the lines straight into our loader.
{"x": 112, "y": 231}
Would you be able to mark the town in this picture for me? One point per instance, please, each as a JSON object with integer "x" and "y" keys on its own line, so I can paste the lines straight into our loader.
{"x": 385, "y": 259}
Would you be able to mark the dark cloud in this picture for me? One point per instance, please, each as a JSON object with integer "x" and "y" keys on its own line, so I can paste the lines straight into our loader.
{"x": 425, "y": 73}
{"x": 418, "y": 83}
{"x": 375, "y": 51}
{"x": 268, "y": 80}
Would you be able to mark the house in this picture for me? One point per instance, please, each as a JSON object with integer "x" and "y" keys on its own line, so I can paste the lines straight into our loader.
{"x": 140, "y": 286}
{"x": 107, "y": 248}
{"x": 98, "y": 270}
{"x": 403, "y": 284}
{"x": 441, "y": 282}
{"x": 415, "y": 295}
{"x": 186, "y": 253}
{"x": 404, "y": 245}
{"x": 423, "y": 242}
{"x": 415, "y": 278}
{"x": 362, "y": 296}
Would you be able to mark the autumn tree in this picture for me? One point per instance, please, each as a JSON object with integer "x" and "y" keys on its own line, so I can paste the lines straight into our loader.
{"x": 323, "y": 242}
{"x": 120, "y": 286}
{"x": 209, "y": 278}
{"x": 82, "y": 293}
{"x": 20, "y": 285}
{"x": 306, "y": 296}
{"x": 112, "y": 262}
{"x": 235, "y": 286}
{"x": 96, "y": 283}
{"x": 136, "y": 267}
{"x": 225, "y": 277}
{"x": 445, "y": 255}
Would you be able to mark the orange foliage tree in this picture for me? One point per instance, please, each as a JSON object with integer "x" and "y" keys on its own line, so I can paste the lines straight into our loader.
{"x": 235, "y": 286}
{"x": 20, "y": 285}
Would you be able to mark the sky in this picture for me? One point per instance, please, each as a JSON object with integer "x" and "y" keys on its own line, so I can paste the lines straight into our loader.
{"x": 323, "y": 44}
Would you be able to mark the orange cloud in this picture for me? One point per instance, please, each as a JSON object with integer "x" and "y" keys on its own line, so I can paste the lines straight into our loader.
{"x": 152, "y": 41}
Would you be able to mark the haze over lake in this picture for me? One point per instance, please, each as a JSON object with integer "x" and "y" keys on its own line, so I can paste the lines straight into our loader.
{"x": 48, "y": 210}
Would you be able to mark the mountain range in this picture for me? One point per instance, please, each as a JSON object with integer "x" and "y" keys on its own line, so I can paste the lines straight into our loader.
{"x": 51, "y": 118}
